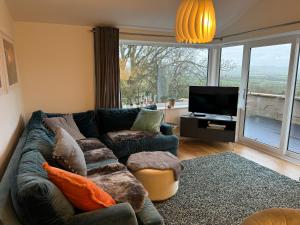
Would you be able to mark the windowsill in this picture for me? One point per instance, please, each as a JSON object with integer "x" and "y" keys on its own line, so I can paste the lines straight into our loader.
{"x": 174, "y": 108}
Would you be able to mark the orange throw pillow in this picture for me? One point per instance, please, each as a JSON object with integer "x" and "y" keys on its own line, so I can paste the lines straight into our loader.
{"x": 81, "y": 192}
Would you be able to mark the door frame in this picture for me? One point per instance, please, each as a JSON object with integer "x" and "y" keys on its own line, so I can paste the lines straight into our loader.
{"x": 288, "y": 106}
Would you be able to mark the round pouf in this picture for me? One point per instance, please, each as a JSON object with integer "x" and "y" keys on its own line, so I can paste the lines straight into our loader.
{"x": 276, "y": 216}
{"x": 160, "y": 184}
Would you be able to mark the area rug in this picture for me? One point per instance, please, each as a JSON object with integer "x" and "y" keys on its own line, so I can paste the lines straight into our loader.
{"x": 224, "y": 189}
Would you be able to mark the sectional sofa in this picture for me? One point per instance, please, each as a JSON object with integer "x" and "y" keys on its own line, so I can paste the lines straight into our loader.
{"x": 36, "y": 200}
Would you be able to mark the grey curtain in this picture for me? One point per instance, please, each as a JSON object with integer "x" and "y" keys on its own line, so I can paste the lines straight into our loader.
{"x": 107, "y": 70}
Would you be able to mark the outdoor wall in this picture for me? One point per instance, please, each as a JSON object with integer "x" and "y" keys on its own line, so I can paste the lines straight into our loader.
{"x": 57, "y": 67}
{"x": 270, "y": 107}
{"x": 11, "y": 119}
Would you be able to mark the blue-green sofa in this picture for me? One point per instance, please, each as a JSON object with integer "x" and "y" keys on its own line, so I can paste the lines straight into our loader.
{"x": 97, "y": 123}
{"x": 36, "y": 200}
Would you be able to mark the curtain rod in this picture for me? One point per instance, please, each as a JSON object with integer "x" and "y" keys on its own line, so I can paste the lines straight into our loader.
{"x": 141, "y": 34}
{"x": 218, "y": 38}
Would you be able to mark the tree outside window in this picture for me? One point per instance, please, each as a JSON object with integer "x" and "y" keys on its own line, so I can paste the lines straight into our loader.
{"x": 155, "y": 74}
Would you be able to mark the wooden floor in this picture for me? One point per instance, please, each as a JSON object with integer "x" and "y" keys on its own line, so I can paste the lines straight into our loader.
{"x": 191, "y": 148}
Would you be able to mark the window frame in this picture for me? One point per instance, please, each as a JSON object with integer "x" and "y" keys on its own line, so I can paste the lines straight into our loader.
{"x": 213, "y": 79}
{"x": 219, "y": 75}
{"x": 166, "y": 44}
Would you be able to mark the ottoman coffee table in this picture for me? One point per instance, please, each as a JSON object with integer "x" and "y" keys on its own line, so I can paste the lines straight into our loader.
{"x": 159, "y": 173}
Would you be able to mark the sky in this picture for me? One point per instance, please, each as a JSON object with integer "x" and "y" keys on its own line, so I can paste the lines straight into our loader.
{"x": 267, "y": 56}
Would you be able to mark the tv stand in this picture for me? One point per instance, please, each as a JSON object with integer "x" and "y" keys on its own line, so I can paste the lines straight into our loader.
{"x": 208, "y": 127}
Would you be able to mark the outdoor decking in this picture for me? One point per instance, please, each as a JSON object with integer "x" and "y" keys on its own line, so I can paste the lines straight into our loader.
{"x": 267, "y": 131}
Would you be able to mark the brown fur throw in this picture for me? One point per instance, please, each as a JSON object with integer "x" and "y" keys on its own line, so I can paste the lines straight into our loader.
{"x": 116, "y": 180}
{"x": 88, "y": 144}
{"x": 155, "y": 160}
{"x": 98, "y": 155}
{"x": 125, "y": 135}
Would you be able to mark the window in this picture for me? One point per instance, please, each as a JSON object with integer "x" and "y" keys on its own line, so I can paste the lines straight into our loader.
{"x": 231, "y": 66}
{"x": 154, "y": 74}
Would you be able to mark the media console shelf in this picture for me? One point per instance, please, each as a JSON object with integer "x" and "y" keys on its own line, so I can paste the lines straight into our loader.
{"x": 208, "y": 127}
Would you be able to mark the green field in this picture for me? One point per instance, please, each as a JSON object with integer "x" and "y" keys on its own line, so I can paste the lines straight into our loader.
{"x": 268, "y": 81}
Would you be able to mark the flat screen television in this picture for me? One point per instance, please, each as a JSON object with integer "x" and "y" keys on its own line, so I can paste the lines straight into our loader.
{"x": 213, "y": 100}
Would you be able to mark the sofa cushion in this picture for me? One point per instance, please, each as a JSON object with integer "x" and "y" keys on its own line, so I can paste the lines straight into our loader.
{"x": 90, "y": 144}
{"x": 159, "y": 142}
{"x": 92, "y": 167}
{"x": 97, "y": 155}
{"x": 39, "y": 137}
{"x": 66, "y": 122}
{"x": 86, "y": 122}
{"x": 82, "y": 192}
{"x": 36, "y": 120}
{"x": 117, "y": 119}
{"x": 98, "y": 158}
{"x": 149, "y": 215}
{"x": 41, "y": 140}
{"x": 68, "y": 153}
{"x": 126, "y": 135}
{"x": 40, "y": 201}
{"x": 115, "y": 179}
{"x": 148, "y": 120}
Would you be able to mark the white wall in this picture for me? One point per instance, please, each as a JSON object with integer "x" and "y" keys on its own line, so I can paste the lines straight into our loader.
{"x": 11, "y": 119}
{"x": 265, "y": 13}
{"x": 57, "y": 67}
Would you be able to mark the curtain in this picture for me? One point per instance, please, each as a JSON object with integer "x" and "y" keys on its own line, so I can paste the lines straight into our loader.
{"x": 107, "y": 70}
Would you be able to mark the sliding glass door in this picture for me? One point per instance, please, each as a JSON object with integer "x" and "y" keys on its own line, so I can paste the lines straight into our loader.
{"x": 266, "y": 93}
{"x": 294, "y": 134}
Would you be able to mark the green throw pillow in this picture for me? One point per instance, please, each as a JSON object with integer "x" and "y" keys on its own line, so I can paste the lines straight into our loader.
{"x": 148, "y": 120}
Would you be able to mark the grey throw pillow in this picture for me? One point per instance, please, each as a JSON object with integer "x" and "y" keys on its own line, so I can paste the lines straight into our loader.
{"x": 66, "y": 122}
{"x": 68, "y": 153}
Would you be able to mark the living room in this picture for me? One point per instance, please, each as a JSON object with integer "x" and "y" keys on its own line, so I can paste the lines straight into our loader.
{"x": 194, "y": 102}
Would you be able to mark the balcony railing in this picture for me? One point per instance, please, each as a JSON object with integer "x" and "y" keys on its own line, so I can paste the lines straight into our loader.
{"x": 271, "y": 106}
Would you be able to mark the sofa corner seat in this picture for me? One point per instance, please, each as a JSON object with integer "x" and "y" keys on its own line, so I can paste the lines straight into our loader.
{"x": 110, "y": 120}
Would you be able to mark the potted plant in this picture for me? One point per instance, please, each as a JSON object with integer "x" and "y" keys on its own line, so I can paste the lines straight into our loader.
{"x": 171, "y": 103}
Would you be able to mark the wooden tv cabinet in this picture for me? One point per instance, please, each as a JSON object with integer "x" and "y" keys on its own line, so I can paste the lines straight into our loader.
{"x": 208, "y": 127}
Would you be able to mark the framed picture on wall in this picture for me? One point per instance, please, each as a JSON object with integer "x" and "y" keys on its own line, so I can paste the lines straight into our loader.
{"x": 3, "y": 86}
{"x": 9, "y": 59}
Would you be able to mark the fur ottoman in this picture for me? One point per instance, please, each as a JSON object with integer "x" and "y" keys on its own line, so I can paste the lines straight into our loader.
{"x": 159, "y": 173}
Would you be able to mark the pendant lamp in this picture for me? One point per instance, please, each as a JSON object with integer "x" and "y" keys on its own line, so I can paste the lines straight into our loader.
{"x": 195, "y": 21}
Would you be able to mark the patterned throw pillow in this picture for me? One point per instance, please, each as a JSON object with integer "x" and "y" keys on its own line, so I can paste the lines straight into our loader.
{"x": 66, "y": 122}
{"x": 80, "y": 191}
{"x": 68, "y": 153}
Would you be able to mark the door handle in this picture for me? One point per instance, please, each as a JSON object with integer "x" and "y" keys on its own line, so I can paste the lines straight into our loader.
{"x": 245, "y": 94}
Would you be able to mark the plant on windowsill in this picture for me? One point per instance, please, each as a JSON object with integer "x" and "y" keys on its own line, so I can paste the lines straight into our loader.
{"x": 171, "y": 103}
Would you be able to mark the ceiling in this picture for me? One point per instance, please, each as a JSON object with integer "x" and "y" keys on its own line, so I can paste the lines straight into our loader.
{"x": 153, "y": 15}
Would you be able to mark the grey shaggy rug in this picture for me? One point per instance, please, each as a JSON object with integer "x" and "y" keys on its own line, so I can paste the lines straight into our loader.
{"x": 224, "y": 189}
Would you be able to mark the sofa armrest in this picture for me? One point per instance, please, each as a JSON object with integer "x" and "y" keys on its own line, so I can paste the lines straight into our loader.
{"x": 149, "y": 215}
{"x": 166, "y": 129}
{"x": 120, "y": 214}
